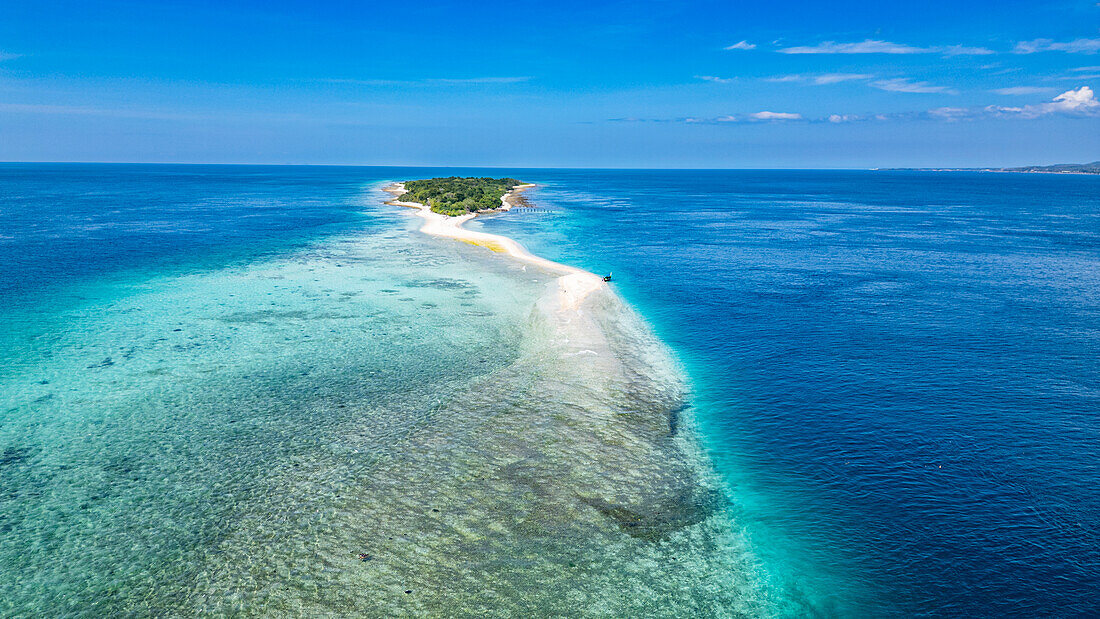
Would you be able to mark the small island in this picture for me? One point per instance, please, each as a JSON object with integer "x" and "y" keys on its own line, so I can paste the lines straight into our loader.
{"x": 446, "y": 203}
{"x": 456, "y": 195}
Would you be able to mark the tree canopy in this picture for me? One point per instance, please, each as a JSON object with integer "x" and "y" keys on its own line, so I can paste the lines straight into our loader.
{"x": 457, "y": 195}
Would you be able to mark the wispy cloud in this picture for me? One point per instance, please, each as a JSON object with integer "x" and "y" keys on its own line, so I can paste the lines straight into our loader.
{"x": 1075, "y": 77}
{"x": 871, "y": 46}
{"x": 961, "y": 50}
{"x": 636, "y": 119}
{"x": 866, "y": 47}
{"x": 1078, "y": 46}
{"x": 181, "y": 116}
{"x": 728, "y": 119}
{"x": 845, "y": 118}
{"x": 430, "y": 80}
{"x": 8, "y": 56}
{"x": 836, "y": 78}
{"x": 949, "y": 113}
{"x": 901, "y": 84}
{"x": 364, "y": 82}
{"x": 995, "y": 70}
{"x": 76, "y": 110}
{"x": 821, "y": 79}
{"x": 481, "y": 80}
{"x": 716, "y": 79}
{"x": 742, "y": 45}
{"x": 1077, "y": 103}
{"x": 755, "y": 117}
{"x": 775, "y": 116}
{"x": 1024, "y": 90}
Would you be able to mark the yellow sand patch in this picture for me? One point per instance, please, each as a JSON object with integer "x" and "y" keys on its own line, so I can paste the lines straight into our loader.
{"x": 497, "y": 247}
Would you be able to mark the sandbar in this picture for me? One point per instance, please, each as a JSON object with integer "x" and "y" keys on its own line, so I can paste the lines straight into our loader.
{"x": 574, "y": 285}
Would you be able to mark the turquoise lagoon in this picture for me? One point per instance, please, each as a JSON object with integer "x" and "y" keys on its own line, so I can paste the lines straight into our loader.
{"x": 261, "y": 391}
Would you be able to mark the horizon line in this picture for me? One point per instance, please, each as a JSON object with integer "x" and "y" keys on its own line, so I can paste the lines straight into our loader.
{"x": 524, "y": 167}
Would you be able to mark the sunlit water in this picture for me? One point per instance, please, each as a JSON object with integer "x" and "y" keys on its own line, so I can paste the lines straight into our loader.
{"x": 259, "y": 390}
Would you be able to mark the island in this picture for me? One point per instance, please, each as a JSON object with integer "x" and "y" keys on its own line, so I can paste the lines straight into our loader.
{"x": 456, "y": 195}
{"x": 446, "y": 203}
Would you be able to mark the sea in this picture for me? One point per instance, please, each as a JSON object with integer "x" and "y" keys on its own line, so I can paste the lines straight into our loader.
{"x": 260, "y": 390}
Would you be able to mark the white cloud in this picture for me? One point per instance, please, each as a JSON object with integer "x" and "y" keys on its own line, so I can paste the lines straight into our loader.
{"x": 871, "y": 46}
{"x": 822, "y": 79}
{"x": 716, "y": 79}
{"x": 962, "y": 50}
{"x": 775, "y": 116}
{"x": 1085, "y": 69}
{"x": 1023, "y": 90}
{"x": 7, "y": 56}
{"x": 1078, "y": 102}
{"x": 1078, "y": 46}
{"x": 745, "y": 45}
{"x": 905, "y": 85}
{"x": 845, "y": 118}
{"x": 743, "y": 118}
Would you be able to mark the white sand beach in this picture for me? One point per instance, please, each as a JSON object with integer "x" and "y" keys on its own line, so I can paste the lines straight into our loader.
{"x": 574, "y": 285}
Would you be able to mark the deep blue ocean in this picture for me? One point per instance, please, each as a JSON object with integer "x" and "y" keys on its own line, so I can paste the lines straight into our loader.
{"x": 896, "y": 375}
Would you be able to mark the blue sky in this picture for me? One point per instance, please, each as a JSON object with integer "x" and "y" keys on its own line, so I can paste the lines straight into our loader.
{"x": 584, "y": 84}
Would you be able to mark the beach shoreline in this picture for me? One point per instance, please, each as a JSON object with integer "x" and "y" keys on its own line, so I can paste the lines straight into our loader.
{"x": 574, "y": 285}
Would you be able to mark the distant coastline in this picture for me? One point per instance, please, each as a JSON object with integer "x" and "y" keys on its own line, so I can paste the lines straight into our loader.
{"x": 1061, "y": 168}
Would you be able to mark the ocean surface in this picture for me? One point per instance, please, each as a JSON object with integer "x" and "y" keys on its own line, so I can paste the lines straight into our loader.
{"x": 254, "y": 390}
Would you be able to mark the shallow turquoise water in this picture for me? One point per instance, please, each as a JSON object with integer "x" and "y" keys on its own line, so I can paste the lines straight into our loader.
{"x": 222, "y": 416}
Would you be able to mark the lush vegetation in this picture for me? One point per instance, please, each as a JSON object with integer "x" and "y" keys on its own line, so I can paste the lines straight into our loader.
{"x": 456, "y": 195}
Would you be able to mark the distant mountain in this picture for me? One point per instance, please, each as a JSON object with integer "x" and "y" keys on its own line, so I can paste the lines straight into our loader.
{"x": 1061, "y": 168}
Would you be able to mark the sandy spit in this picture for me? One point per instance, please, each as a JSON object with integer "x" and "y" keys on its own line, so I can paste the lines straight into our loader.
{"x": 574, "y": 285}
